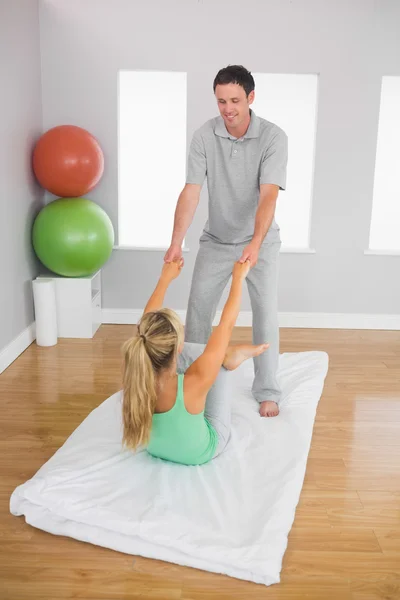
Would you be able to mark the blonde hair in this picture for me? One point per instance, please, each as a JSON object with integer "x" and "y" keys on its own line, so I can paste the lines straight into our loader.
{"x": 153, "y": 349}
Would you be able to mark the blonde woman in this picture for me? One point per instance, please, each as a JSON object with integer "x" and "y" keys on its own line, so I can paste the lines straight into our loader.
{"x": 177, "y": 398}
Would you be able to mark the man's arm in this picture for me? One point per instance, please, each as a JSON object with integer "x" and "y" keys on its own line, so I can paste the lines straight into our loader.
{"x": 265, "y": 212}
{"x": 264, "y": 216}
{"x": 272, "y": 179}
{"x": 189, "y": 197}
{"x": 184, "y": 212}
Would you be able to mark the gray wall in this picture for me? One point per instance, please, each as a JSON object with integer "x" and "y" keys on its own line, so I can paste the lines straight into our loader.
{"x": 20, "y": 196}
{"x": 351, "y": 43}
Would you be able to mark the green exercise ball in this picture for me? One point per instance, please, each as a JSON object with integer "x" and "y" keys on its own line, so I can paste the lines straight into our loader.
{"x": 73, "y": 237}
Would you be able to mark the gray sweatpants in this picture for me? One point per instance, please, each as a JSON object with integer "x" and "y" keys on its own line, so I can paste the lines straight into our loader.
{"x": 212, "y": 271}
{"x": 218, "y": 403}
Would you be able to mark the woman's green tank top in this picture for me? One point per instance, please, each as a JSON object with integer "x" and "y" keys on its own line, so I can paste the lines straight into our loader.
{"x": 181, "y": 437}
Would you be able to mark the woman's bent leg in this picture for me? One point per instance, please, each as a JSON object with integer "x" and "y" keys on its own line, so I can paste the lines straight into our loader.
{"x": 218, "y": 408}
{"x": 218, "y": 403}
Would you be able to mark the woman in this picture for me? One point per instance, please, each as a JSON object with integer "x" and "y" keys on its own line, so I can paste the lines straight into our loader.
{"x": 177, "y": 401}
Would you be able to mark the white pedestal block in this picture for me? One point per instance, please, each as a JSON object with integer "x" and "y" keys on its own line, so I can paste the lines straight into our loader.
{"x": 78, "y": 301}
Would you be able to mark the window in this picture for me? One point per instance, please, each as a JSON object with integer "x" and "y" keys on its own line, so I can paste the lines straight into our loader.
{"x": 385, "y": 219}
{"x": 151, "y": 155}
{"x": 290, "y": 101}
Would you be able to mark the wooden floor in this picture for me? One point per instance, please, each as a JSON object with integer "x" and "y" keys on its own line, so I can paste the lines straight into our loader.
{"x": 345, "y": 541}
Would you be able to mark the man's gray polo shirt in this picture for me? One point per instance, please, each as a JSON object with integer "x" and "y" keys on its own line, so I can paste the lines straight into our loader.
{"x": 235, "y": 168}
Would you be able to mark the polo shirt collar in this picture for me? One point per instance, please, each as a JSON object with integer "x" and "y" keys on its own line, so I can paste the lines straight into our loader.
{"x": 253, "y": 130}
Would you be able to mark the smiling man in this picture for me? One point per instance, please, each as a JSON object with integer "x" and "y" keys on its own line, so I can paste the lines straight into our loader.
{"x": 244, "y": 158}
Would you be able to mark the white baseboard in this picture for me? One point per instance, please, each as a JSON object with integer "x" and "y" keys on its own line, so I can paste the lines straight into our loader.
{"x": 286, "y": 319}
{"x": 17, "y": 346}
{"x": 339, "y": 321}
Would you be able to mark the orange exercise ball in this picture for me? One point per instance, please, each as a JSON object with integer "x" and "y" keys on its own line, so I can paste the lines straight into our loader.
{"x": 68, "y": 161}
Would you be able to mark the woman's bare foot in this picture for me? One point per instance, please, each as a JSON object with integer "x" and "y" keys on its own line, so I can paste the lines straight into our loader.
{"x": 235, "y": 355}
{"x": 269, "y": 409}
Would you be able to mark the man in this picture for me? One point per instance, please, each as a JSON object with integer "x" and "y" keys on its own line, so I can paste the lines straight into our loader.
{"x": 244, "y": 159}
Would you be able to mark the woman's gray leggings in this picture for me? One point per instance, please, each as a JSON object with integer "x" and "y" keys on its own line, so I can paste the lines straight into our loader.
{"x": 218, "y": 403}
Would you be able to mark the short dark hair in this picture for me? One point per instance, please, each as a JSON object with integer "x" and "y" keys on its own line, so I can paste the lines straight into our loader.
{"x": 235, "y": 74}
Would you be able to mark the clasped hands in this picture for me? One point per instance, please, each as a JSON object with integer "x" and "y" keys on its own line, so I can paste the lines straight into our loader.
{"x": 173, "y": 262}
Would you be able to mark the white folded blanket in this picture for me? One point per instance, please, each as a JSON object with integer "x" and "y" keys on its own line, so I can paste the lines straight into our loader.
{"x": 232, "y": 515}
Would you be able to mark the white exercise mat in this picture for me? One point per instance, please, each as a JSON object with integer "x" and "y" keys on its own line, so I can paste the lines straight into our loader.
{"x": 232, "y": 515}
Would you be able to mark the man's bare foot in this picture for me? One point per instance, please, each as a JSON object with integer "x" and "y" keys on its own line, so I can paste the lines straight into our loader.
{"x": 235, "y": 355}
{"x": 269, "y": 409}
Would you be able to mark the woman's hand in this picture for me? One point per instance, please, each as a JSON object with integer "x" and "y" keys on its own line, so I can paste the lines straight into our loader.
{"x": 171, "y": 270}
{"x": 240, "y": 270}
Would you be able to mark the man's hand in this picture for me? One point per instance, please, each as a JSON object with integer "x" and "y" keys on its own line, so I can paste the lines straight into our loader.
{"x": 250, "y": 253}
{"x": 174, "y": 253}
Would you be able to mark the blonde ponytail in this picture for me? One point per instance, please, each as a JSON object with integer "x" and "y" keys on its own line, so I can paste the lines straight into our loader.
{"x": 145, "y": 356}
